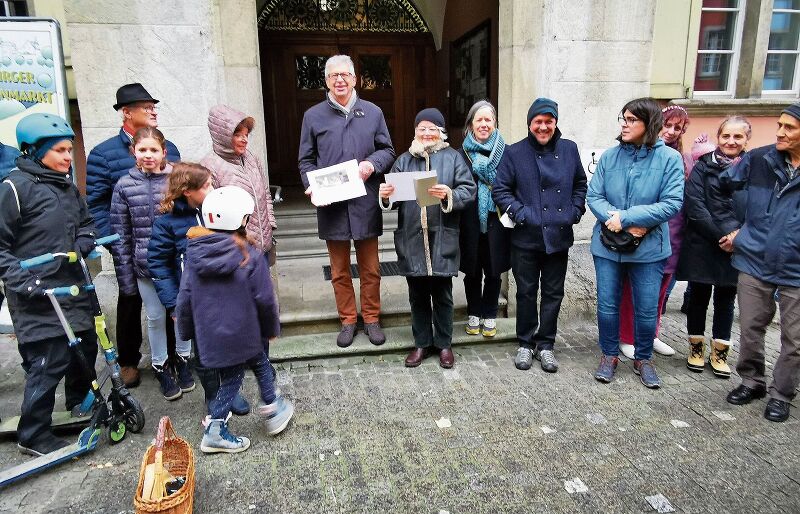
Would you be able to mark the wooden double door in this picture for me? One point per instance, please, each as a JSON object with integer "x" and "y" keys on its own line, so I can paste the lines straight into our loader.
{"x": 395, "y": 72}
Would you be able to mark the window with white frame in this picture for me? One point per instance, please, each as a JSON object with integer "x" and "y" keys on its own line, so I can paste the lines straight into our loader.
{"x": 781, "y": 70}
{"x": 718, "y": 48}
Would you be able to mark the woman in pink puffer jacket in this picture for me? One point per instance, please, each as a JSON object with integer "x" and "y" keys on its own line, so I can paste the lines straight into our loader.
{"x": 232, "y": 164}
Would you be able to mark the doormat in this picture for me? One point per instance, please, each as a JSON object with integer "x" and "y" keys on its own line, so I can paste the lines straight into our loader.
{"x": 388, "y": 269}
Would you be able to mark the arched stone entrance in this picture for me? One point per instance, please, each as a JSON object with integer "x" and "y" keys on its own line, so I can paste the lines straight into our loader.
{"x": 391, "y": 47}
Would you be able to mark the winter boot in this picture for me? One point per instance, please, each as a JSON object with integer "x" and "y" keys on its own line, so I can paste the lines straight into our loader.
{"x": 277, "y": 414}
{"x": 169, "y": 386}
{"x": 183, "y": 370}
{"x": 217, "y": 439}
{"x": 718, "y": 360}
{"x": 697, "y": 350}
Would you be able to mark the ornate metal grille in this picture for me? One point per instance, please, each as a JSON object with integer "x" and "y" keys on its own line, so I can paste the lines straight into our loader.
{"x": 376, "y": 72}
{"x": 310, "y": 71}
{"x": 341, "y": 16}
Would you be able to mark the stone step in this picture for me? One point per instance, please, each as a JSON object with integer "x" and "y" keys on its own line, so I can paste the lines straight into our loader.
{"x": 298, "y": 246}
{"x": 303, "y": 347}
{"x": 307, "y": 304}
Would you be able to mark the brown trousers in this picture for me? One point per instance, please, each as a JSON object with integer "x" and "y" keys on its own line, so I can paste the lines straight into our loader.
{"x": 342, "y": 280}
{"x": 756, "y": 310}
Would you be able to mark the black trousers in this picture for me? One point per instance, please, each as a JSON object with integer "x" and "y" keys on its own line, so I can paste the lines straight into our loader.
{"x": 45, "y": 363}
{"x": 129, "y": 331}
{"x": 537, "y": 324}
{"x": 724, "y": 299}
{"x": 482, "y": 301}
{"x": 431, "y": 300}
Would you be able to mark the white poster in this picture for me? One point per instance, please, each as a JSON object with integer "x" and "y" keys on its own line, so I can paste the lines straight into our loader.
{"x": 32, "y": 78}
{"x": 336, "y": 183}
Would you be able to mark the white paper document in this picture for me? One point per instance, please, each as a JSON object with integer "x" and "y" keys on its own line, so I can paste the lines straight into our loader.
{"x": 336, "y": 183}
{"x": 404, "y": 184}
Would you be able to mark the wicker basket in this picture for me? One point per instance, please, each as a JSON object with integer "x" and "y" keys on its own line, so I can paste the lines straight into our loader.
{"x": 178, "y": 460}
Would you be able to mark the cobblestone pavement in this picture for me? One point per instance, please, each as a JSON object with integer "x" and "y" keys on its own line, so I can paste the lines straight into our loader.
{"x": 372, "y": 436}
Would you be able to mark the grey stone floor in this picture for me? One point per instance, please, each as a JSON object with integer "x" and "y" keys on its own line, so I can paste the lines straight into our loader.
{"x": 372, "y": 436}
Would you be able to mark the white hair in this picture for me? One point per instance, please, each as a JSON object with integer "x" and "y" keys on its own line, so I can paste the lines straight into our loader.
{"x": 336, "y": 60}
{"x": 121, "y": 112}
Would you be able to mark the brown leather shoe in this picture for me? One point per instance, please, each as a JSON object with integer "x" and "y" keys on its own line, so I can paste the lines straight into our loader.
{"x": 446, "y": 358}
{"x": 416, "y": 357}
{"x": 130, "y": 376}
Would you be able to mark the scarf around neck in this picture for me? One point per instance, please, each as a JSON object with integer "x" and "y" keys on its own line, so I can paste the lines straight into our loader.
{"x": 484, "y": 158}
{"x": 723, "y": 160}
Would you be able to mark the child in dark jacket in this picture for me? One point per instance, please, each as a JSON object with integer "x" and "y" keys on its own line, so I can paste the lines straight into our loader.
{"x": 134, "y": 208}
{"x": 187, "y": 187}
{"x": 227, "y": 305}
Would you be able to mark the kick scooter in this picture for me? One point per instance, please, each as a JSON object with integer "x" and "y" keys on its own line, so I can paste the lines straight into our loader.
{"x": 119, "y": 412}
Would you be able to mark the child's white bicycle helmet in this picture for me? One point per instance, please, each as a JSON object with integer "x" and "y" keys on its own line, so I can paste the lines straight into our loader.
{"x": 226, "y": 207}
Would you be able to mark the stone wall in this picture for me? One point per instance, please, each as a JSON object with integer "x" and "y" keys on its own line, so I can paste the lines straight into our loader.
{"x": 189, "y": 55}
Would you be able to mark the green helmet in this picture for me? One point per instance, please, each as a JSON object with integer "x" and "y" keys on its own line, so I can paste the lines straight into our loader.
{"x": 35, "y": 127}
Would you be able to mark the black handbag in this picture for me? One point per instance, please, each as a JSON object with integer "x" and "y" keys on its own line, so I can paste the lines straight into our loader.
{"x": 620, "y": 242}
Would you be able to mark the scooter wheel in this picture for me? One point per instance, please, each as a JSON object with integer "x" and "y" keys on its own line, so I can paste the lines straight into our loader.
{"x": 133, "y": 415}
{"x": 116, "y": 432}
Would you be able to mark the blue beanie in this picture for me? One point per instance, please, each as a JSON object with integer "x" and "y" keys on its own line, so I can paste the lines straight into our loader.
{"x": 43, "y": 145}
{"x": 542, "y": 106}
{"x": 793, "y": 110}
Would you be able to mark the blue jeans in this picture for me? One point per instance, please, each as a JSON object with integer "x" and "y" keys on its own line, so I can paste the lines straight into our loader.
{"x": 230, "y": 382}
{"x": 157, "y": 325}
{"x": 645, "y": 280}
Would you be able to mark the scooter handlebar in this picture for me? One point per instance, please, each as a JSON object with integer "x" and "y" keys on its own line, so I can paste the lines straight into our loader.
{"x": 37, "y": 261}
{"x": 107, "y": 239}
{"x": 48, "y": 257}
{"x": 72, "y": 290}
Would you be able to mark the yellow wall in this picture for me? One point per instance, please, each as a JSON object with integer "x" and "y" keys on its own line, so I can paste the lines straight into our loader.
{"x": 674, "y": 45}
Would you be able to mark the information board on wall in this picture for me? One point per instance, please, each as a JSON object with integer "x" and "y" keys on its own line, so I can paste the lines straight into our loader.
{"x": 32, "y": 74}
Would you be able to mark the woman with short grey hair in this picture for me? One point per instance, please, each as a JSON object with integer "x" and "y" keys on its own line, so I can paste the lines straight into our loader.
{"x": 484, "y": 242}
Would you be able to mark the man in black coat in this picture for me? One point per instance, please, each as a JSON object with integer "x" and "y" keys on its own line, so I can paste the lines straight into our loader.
{"x": 541, "y": 186}
{"x": 41, "y": 211}
{"x": 336, "y": 130}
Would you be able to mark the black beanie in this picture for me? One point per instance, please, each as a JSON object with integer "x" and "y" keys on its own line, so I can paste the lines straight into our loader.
{"x": 432, "y": 115}
{"x": 793, "y": 110}
{"x": 542, "y": 106}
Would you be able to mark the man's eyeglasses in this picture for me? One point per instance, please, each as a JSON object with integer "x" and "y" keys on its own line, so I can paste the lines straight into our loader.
{"x": 627, "y": 121}
{"x": 343, "y": 76}
{"x": 152, "y": 109}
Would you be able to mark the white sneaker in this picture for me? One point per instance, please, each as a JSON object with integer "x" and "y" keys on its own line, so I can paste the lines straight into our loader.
{"x": 627, "y": 350}
{"x": 662, "y": 348}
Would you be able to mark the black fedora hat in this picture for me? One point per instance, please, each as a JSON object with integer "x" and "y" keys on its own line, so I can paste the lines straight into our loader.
{"x": 132, "y": 93}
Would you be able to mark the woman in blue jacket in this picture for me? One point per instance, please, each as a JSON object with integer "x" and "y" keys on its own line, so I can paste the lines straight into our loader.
{"x": 637, "y": 186}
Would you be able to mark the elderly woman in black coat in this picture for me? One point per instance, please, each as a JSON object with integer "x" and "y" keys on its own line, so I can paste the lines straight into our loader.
{"x": 426, "y": 239}
{"x": 484, "y": 241}
{"x": 712, "y": 221}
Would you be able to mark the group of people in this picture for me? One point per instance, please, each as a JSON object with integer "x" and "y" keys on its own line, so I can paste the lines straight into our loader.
{"x": 715, "y": 216}
{"x": 196, "y": 244}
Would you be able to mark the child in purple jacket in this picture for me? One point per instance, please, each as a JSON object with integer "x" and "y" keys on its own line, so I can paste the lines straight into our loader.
{"x": 227, "y": 305}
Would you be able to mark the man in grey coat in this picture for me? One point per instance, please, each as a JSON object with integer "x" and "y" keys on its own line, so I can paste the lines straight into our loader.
{"x": 336, "y": 130}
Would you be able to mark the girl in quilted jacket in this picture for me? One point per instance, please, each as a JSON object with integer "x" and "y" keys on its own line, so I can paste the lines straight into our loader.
{"x": 134, "y": 207}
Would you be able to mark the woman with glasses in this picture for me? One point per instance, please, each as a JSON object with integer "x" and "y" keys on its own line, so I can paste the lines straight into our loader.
{"x": 426, "y": 238}
{"x": 484, "y": 241}
{"x": 636, "y": 188}
{"x": 676, "y": 120}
